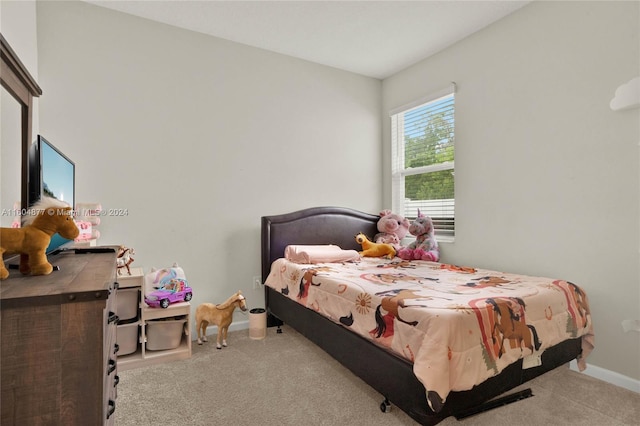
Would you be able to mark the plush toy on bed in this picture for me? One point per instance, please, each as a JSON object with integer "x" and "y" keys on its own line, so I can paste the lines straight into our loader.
{"x": 371, "y": 249}
{"x": 425, "y": 247}
{"x": 393, "y": 228}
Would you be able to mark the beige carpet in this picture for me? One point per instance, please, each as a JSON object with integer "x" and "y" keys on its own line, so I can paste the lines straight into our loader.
{"x": 287, "y": 380}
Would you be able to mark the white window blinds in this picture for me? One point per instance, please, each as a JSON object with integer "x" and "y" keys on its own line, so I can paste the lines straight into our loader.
{"x": 423, "y": 153}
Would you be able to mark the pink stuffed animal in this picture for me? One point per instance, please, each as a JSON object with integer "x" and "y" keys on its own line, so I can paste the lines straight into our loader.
{"x": 393, "y": 228}
{"x": 425, "y": 247}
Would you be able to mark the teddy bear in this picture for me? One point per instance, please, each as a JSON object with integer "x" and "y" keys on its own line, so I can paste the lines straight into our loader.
{"x": 425, "y": 247}
{"x": 392, "y": 229}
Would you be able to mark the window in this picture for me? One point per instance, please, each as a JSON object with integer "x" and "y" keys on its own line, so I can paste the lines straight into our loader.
{"x": 422, "y": 143}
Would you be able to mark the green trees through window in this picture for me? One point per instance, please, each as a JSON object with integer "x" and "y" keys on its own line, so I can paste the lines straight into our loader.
{"x": 423, "y": 147}
{"x": 429, "y": 140}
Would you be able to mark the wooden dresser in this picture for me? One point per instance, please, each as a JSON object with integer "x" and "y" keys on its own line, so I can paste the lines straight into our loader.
{"x": 58, "y": 362}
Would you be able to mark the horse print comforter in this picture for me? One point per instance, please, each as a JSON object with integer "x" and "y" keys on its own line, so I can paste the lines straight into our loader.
{"x": 459, "y": 326}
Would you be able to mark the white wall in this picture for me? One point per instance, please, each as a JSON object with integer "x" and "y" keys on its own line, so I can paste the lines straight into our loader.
{"x": 547, "y": 176}
{"x": 198, "y": 137}
{"x": 18, "y": 27}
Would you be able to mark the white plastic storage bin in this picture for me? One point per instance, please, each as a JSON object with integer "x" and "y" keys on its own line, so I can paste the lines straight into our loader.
{"x": 127, "y": 338}
{"x": 164, "y": 334}
{"x": 128, "y": 300}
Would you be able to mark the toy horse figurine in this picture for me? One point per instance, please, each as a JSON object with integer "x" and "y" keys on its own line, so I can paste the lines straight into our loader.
{"x": 220, "y": 315}
{"x": 371, "y": 249}
{"x": 124, "y": 259}
{"x": 48, "y": 216}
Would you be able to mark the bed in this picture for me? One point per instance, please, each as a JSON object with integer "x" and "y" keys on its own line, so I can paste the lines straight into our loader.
{"x": 434, "y": 339}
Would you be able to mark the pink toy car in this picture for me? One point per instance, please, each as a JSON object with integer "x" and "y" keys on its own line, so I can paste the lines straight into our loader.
{"x": 176, "y": 290}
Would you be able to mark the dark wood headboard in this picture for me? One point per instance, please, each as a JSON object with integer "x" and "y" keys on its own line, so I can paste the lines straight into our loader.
{"x": 317, "y": 225}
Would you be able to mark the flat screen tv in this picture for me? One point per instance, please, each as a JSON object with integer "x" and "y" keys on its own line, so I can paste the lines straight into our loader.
{"x": 51, "y": 174}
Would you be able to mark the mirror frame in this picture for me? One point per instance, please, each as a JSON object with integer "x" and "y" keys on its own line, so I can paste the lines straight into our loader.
{"x": 22, "y": 86}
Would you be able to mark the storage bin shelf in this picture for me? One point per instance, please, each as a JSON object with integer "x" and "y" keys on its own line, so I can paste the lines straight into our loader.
{"x": 142, "y": 355}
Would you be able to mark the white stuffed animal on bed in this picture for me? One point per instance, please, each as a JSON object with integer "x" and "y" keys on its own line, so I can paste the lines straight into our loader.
{"x": 425, "y": 247}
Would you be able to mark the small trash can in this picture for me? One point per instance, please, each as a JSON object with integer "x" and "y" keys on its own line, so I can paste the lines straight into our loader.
{"x": 257, "y": 323}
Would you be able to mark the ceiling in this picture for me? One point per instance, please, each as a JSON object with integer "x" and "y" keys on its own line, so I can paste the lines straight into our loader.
{"x": 372, "y": 38}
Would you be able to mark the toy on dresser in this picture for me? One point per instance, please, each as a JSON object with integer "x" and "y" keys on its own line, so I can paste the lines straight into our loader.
{"x": 88, "y": 219}
{"x": 425, "y": 247}
{"x": 124, "y": 259}
{"x": 48, "y": 216}
{"x": 220, "y": 315}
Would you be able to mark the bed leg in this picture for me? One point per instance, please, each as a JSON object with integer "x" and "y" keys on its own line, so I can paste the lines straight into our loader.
{"x": 279, "y": 330}
{"x": 385, "y": 406}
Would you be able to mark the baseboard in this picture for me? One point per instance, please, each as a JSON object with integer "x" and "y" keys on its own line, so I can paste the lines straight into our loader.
{"x": 609, "y": 376}
{"x": 239, "y": 325}
{"x": 213, "y": 329}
